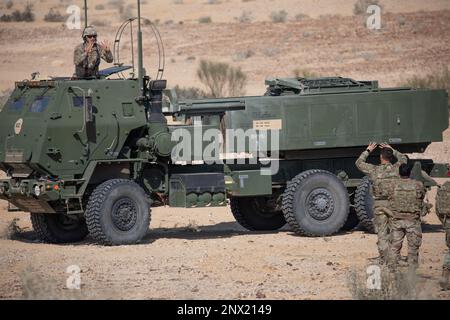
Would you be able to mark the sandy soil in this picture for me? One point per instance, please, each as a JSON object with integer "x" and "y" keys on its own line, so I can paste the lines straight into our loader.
{"x": 203, "y": 253}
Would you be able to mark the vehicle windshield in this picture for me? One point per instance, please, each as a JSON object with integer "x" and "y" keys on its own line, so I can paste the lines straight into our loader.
{"x": 39, "y": 104}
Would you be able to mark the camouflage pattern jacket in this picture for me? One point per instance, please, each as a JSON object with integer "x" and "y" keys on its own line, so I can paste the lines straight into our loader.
{"x": 382, "y": 171}
{"x": 86, "y": 65}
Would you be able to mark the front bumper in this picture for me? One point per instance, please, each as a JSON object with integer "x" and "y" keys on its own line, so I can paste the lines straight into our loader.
{"x": 30, "y": 195}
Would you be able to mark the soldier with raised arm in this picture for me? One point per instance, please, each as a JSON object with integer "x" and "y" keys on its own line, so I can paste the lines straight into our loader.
{"x": 382, "y": 177}
{"x": 87, "y": 56}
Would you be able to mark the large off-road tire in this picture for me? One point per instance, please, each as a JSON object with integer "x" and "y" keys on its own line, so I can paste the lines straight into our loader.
{"x": 316, "y": 203}
{"x": 364, "y": 204}
{"x": 352, "y": 221}
{"x": 58, "y": 228}
{"x": 118, "y": 212}
{"x": 254, "y": 214}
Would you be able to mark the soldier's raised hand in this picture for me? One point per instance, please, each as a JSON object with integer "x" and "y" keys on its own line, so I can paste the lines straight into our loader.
{"x": 385, "y": 145}
{"x": 89, "y": 47}
{"x": 372, "y": 146}
{"x": 105, "y": 45}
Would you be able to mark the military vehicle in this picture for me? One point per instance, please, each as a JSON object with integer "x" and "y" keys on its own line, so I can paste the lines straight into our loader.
{"x": 92, "y": 156}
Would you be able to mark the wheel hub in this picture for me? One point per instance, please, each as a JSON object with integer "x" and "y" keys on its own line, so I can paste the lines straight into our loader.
{"x": 320, "y": 204}
{"x": 124, "y": 214}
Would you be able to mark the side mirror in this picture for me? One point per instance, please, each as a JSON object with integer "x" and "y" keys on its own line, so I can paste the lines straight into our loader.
{"x": 89, "y": 115}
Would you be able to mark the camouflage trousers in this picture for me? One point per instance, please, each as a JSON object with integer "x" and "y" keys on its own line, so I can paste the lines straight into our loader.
{"x": 381, "y": 222}
{"x": 447, "y": 240}
{"x": 412, "y": 229}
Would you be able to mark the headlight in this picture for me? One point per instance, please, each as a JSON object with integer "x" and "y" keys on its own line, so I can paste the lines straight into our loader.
{"x": 37, "y": 190}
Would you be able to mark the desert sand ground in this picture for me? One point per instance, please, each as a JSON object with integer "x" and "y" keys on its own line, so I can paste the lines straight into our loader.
{"x": 203, "y": 253}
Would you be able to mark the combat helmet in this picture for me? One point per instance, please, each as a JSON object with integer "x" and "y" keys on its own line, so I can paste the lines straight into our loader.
{"x": 89, "y": 31}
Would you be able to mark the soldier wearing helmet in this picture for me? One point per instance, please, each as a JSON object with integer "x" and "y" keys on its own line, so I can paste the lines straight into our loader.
{"x": 88, "y": 54}
{"x": 382, "y": 177}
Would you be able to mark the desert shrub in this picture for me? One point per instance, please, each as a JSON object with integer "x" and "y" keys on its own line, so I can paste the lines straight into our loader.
{"x": 184, "y": 93}
{"x": 214, "y": 1}
{"x": 440, "y": 79}
{"x": 221, "y": 79}
{"x": 54, "y": 16}
{"x": 302, "y": 73}
{"x": 115, "y": 3}
{"x": 361, "y": 6}
{"x": 204, "y": 20}
{"x": 178, "y": 2}
{"x": 27, "y": 15}
{"x": 245, "y": 17}
{"x": 279, "y": 16}
{"x": 100, "y": 7}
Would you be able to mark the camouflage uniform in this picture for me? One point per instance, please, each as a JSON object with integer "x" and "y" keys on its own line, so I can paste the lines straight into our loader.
{"x": 376, "y": 174}
{"x": 407, "y": 205}
{"x": 443, "y": 212}
{"x": 86, "y": 64}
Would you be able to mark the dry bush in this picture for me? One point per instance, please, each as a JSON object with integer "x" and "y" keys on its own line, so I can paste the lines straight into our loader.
{"x": 54, "y": 16}
{"x": 245, "y": 17}
{"x": 279, "y": 16}
{"x": 27, "y": 15}
{"x": 184, "y": 93}
{"x": 221, "y": 79}
{"x": 178, "y": 2}
{"x": 204, "y": 20}
{"x": 9, "y": 4}
{"x": 440, "y": 79}
{"x": 361, "y": 6}
{"x": 100, "y": 7}
{"x": 115, "y": 4}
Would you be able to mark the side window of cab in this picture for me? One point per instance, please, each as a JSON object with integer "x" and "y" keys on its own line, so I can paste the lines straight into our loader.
{"x": 77, "y": 101}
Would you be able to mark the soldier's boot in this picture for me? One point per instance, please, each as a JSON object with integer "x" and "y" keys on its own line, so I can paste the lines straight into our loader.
{"x": 445, "y": 280}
